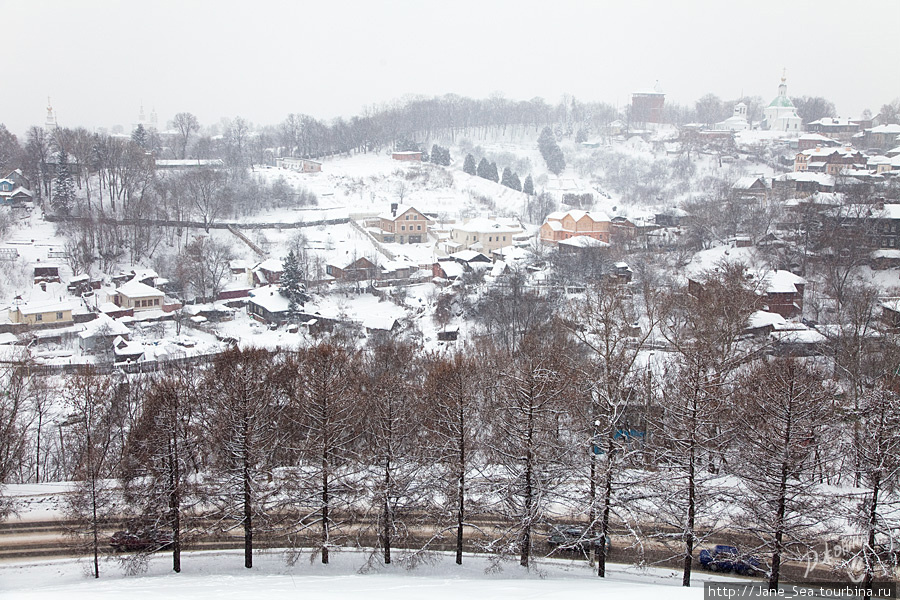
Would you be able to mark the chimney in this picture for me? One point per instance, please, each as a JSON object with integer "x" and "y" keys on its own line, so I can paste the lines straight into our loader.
{"x": 393, "y": 209}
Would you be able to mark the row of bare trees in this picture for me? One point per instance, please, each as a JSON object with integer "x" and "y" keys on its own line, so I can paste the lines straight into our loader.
{"x": 650, "y": 416}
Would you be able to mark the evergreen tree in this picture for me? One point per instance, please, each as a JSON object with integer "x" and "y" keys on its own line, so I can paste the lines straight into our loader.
{"x": 493, "y": 174}
{"x": 551, "y": 151}
{"x": 292, "y": 286}
{"x": 516, "y": 182}
{"x": 64, "y": 194}
{"x": 484, "y": 169}
{"x": 440, "y": 155}
{"x": 556, "y": 162}
{"x": 510, "y": 179}
{"x": 139, "y": 136}
{"x": 528, "y": 186}
{"x": 469, "y": 165}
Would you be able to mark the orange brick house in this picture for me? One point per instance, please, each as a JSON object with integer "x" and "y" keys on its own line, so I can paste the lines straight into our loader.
{"x": 565, "y": 225}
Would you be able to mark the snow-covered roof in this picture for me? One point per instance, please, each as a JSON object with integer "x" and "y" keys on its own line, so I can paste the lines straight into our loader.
{"x": 577, "y": 215}
{"x": 762, "y": 318}
{"x": 270, "y": 298}
{"x": 583, "y": 241}
{"x": 469, "y": 255}
{"x": 452, "y": 269}
{"x": 782, "y": 282}
{"x": 401, "y": 210}
{"x": 136, "y": 289}
{"x": 554, "y": 225}
{"x": 33, "y": 308}
{"x": 745, "y": 183}
{"x": 379, "y": 322}
{"x": 273, "y": 265}
{"x": 142, "y": 274}
{"x": 798, "y": 336}
{"x": 842, "y": 151}
{"x": 888, "y": 128}
{"x": 485, "y": 225}
{"x": 808, "y": 176}
{"x": 112, "y": 327}
{"x": 190, "y": 162}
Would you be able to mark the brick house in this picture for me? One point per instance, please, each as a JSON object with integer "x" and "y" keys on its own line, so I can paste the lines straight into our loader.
{"x": 565, "y": 225}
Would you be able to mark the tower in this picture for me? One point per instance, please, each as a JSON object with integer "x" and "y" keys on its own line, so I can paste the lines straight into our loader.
{"x": 50, "y": 124}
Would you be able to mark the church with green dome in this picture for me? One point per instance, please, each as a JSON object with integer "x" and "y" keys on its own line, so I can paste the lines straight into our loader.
{"x": 781, "y": 114}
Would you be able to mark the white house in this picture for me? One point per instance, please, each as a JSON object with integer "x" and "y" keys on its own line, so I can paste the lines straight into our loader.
{"x": 483, "y": 235}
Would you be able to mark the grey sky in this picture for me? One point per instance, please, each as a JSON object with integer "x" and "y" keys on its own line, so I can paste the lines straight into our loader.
{"x": 98, "y": 60}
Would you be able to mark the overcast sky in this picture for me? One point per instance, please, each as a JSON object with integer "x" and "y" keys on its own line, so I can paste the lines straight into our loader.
{"x": 99, "y": 60}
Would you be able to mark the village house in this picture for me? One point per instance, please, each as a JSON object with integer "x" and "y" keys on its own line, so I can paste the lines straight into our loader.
{"x": 482, "y": 234}
{"x": 357, "y": 270}
{"x": 300, "y": 165}
{"x": 811, "y": 140}
{"x": 39, "y": 313}
{"x": 268, "y": 271}
{"x": 755, "y": 189}
{"x": 138, "y": 296}
{"x": 829, "y": 160}
{"x": 401, "y": 225}
{"x": 266, "y": 304}
{"x": 564, "y": 225}
{"x": 12, "y": 193}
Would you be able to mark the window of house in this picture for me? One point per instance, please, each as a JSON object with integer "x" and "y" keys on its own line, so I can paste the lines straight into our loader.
{"x": 39, "y": 317}
{"x": 504, "y": 238}
{"x": 59, "y": 315}
{"x": 407, "y": 217}
{"x": 419, "y": 227}
{"x": 403, "y": 228}
{"x": 156, "y": 301}
{"x": 489, "y": 239}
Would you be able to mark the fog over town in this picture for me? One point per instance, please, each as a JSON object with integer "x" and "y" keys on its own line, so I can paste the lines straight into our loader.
{"x": 398, "y": 298}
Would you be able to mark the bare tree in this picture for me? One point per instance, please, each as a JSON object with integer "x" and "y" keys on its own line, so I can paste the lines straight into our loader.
{"x": 527, "y": 445}
{"x": 242, "y": 426}
{"x": 454, "y": 392}
{"x": 187, "y": 125}
{"x": 784, "y": 413}
{"x": 392, "y": 439}
{"x": 159, "y": 469}
{"x": 326, "y": 411}
{"x": 89, "y": 398}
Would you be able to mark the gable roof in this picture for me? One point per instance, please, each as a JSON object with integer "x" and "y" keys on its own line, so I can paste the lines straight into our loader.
{"x": 135, "y": 289}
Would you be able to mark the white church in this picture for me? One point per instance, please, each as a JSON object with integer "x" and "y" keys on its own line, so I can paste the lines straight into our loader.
{"x": 737, "y": 121}
{"x": 781, "y": 115}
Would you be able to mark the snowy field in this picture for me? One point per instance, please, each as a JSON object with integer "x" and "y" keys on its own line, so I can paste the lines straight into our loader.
{"x": 220, "y": 575}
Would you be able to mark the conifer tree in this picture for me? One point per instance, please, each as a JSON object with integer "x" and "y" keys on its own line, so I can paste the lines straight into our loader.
{"x": 292, "y": 286}
{"x": 528, "y": 186}
{"x": 64, "y": 194}
{"x": 139, "y": 136}
{"x": 484, "y": 169}
{"x": 493, "y": 173}
{"x": 469, "y": 165}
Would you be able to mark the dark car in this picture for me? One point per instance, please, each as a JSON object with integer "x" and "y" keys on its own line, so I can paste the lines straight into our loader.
{"x": 727, "y": 559}
{"x": 576, "y": 539}
{"x": 141, "y": 540}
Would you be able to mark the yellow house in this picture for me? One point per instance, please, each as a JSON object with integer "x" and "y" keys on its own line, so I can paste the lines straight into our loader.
{"x": 41, "y": 312}
{"x": 139, "y": 296}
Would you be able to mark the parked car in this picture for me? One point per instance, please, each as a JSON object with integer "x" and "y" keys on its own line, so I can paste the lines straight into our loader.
{"x": 576, "y": 539}
{"x": 141, "y": 540}
{"x": 728, "y": 559}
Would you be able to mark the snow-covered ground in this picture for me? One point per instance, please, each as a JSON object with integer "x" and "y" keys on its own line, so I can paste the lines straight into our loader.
{"x": 220, "y": 575}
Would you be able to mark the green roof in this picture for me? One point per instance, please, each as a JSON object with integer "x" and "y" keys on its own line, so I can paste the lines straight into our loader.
{"x": 782, "y": 101}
